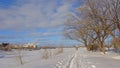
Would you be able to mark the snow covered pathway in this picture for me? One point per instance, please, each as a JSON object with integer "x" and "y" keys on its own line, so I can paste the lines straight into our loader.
{"x": 72, "y": 61}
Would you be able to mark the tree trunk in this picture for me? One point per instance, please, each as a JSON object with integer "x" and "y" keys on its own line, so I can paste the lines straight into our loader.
{"x": 101, "y": 46}
{"x": 87, "y": 47}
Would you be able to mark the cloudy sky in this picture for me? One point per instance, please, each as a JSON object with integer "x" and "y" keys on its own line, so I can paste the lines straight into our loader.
{"x": 35, "y": 20}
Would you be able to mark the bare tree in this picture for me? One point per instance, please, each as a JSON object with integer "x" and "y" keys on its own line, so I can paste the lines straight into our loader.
{"x": 97, "y": 22}
{"x": 72, "y": 31}
{"x": 114, "y": 11}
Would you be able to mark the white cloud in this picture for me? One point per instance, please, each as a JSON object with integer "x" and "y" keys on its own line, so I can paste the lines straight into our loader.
{"x": 29, "y": 15}
{"x": 33, "y": 14}
{"x": 53, "y": 33}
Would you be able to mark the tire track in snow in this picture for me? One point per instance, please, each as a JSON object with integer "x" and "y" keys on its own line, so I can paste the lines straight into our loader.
{"x": 71, "y": 62}
{"x": 65, "y": 63}
{"x": 75, "y": 61}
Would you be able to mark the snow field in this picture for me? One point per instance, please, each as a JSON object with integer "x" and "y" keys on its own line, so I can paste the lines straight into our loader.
{"x": 69, "y": 58}
{"x": 33, "y": 59}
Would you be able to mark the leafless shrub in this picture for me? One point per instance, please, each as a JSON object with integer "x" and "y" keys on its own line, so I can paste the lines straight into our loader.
{"x": 19, "y": 55}
{"x": 76, "y": 47}
{"x": 59, "y": 50}
{"x": 116, "y": 43}
{"x": 45, "y": 54}
{"x": 92, "y": 47}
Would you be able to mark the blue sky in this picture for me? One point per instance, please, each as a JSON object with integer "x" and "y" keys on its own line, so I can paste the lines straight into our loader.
{"x": 23, "y": 21}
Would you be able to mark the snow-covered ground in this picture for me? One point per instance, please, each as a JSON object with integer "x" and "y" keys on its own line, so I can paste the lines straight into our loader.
{"x": 51, "y": 58}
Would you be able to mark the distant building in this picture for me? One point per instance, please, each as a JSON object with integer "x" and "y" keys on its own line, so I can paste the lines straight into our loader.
{"x": 30, "y": 46}
{"x": 5, "y": 46}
